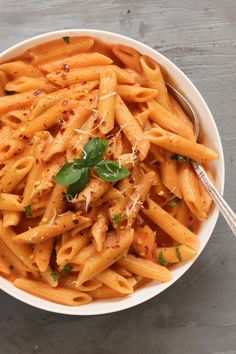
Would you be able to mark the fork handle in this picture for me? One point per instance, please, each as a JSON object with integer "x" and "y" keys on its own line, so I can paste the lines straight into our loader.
{"x": 224, "y": 208}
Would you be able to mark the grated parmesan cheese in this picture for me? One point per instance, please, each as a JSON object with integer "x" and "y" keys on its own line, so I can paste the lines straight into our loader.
{"x": 83, "y": 132}
{"x": 107, "y": 96}
{"x": 87, "y": 200}
{"x": 53, "y": 217}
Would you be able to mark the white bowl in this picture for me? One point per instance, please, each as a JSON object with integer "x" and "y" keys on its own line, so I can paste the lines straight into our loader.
{"x": 212, "y": 140}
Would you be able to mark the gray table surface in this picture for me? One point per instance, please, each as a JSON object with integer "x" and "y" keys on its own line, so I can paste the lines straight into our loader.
{"x": 198, "y": 313}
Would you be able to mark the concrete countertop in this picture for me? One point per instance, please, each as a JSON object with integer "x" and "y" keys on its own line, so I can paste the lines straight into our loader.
{"x": 197, "y": 314}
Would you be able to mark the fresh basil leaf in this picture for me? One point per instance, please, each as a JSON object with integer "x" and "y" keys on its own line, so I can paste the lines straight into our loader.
{"x": 78, "y": 186}
{"x": 174, "y": 202}
{"x": 69, "y": 174}
{"x": 180, "y": 158}
{"x": 162, "y": 260}
{"x": 111, "y": 171}
{"x": 67, "y": 269}
{"x": 117, "y": 219}
{"x": 10, "y": 92}
{"x": 66, "y": 39}
{"x": 94, "y": 151}
{"x": 54, "y": 275}
{"x": 28, "y": 211}
{"x": 178, "y": 253}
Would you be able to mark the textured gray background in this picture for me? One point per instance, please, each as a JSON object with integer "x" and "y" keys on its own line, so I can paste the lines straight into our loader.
{"x": 198, "y": 313}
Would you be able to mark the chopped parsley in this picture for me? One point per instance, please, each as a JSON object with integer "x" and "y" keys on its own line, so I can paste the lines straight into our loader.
{"x": 66, "y": 39}
{"x": 178, "y": 253}
{"x": 117, "y": 219}
{"x": 67, "y": 269}
{"x": 180, "y": 158}
{"x": 28, "y": 211}
{"x": 162, "y": 260}
{"x": 54, "y": 275}
{"x": 174, "y": 202}
{"x": 190, "y": 228}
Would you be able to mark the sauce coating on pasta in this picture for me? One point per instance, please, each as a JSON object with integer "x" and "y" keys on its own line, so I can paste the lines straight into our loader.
{"x": 97, "y": 192}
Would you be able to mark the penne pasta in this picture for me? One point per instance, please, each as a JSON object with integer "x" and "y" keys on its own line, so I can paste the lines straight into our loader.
{"x": 107, "y": 98}
{"x": 10, "y": 218}
{"x": 135, "y": 93}
{"x": 191, "y": 192}
{"x": 180, "y": 145}
{"x": 153, "y": 74}
{"x": 77, "y": 61}
{"x": 115, "y": 281}
{"x": 20, "y": 68}
{"x": 145, "y": 268}
{"x": 99, "y": 262}
{"x": 174, "y": 254}
{"x": 62, "y": 223}
{"x": 171, "y": 226}
{"x": 131, "y": 128}
{"x": 169, "y": 121}
{"x": 25, "y": 83}
{"x": 69, "y": 297}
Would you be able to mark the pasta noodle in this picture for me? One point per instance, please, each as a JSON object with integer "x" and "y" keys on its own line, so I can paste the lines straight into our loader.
{"x": 97, "y": 192}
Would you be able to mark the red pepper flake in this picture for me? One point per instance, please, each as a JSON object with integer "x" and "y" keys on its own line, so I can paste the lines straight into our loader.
{"x": 64, "y": 102}
{"x": 63, "y": 76}
{"x": 37, "y": 92}
{"x": 103, "y": 123}
{"x": 72, "y": 112}
{"x": 75, "y": 222}
{"x": 66, "y": 67}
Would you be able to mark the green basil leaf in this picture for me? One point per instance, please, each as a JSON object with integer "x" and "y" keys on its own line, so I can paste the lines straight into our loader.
{"x": 54, "y": 275}
{"x": 117, "y": 219}
{"x": 78, "y": 186}
{"x": 69, "y": 174}
{"x": 66, "y": 39}
{"x": 67, "y": 269}
{"x": 180, "y": 158}
{"x": 162, "y": 260}
{"x": 94, "y": 151}
{"x": 178, "y": 253}
{"x": 28, "y": 211}
{"x": 174, "y": 202}
{"x": 111, "y": 171}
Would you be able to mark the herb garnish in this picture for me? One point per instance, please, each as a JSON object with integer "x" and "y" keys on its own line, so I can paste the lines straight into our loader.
{"x": 180, "y": 158}
{"x": 118, "y": 218}
{"x": 76, "y": 174}
{"x": 67, "y": 269}
{"x": 162, "y": 260}
{"x": 54, "y": 275}
{"x": 28, "y": 211}
{"x": 174, "y": 202}
{"x": 66, "y": 39}
{"x": 178, "y": 253}
{"x": 190, "y": 228}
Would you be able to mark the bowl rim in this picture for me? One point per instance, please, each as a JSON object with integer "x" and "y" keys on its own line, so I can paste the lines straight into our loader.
{"x": 120, "y": 304}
